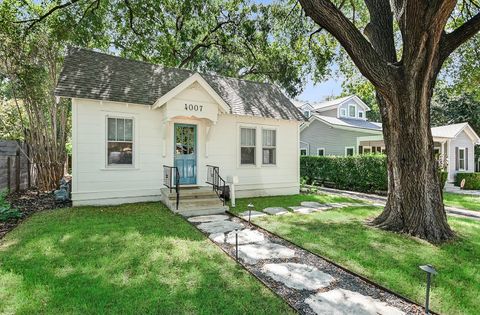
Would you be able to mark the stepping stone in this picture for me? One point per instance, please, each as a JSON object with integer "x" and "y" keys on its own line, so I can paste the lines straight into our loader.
{"x": 312, "y": 204}
{"x": 275, "y": 210}
{"x": 254, "y": 214}
{"x": 339, "y": 205}
{"x": 246, "y": 236}
{"x": 303, "y": 210}
{"x": 208, "y": 218}
{"x": 219, "y": 226}
{"x": 217, "y": 237}
{"x": 298, "y": 276}
{"x": 252, "y": 253}
{"x": 341, "y": 301}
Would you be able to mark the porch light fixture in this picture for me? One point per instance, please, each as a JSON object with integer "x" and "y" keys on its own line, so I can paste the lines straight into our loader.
{"x": 250, "y": 208}
{"x": 430, "y": 270}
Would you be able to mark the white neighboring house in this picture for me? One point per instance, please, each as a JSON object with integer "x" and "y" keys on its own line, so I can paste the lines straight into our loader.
{"x": 131, "y": 118}
{"x": 340, "y": 127}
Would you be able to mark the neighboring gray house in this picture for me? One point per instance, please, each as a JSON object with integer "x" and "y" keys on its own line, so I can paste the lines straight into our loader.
{"x": 340, "y": 127}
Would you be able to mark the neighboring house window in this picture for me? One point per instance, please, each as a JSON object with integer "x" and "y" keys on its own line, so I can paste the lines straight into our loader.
{"x": 321, "y": 152}
{"x": 436, "y": 152}
{"x": 303, "y": 152}
{"x": 269, "y": 149}
{"x": 360, "y": 114}
{"x": 343, "y": 112}
{"x": 349, "y": 151}
{"x": 367, "y": 150}
{"x": 351, "y": 110}
{"x": 307, "y": 113}
{"x": 120, "y": 141}
{"x": 461, "y": 159}
{"x": 247, "y": 145}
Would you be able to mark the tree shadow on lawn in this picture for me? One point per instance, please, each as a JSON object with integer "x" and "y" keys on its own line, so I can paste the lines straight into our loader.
{"x": 127, "y": 259}
{"x": 388, "y": 258}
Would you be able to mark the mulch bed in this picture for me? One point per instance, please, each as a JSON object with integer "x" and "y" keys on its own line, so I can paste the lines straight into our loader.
{"x": 28, "y": 202}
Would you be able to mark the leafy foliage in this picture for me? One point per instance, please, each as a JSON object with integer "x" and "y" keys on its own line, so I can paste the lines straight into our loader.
{"x": 472, "y": 180}
{"x": 6, "y": 210}
{"x": 365, "y": 173}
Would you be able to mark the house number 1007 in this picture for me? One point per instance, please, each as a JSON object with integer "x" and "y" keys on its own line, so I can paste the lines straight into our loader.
{"x": 197, "y": 108}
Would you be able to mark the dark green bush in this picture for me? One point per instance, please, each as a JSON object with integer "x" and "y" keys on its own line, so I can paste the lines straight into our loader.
{"x": 6, "y": 210}
{"x": 472, "y": 180}
{"x": 365, "y": 173}
{"x": 443, "y": 179}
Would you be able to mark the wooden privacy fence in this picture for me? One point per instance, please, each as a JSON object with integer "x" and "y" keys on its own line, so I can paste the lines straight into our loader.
{"x": 16, "y": 171}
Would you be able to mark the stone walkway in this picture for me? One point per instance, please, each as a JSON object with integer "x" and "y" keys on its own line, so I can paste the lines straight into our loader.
{"x": 450, "y": 187}
{"x": 309, "y": 283}
{"x": 380, "y": 201}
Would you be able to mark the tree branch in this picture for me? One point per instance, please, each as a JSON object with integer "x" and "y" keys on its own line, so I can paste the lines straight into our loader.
{"x": 453, "y": 40}
{"x": 371, "y": 64}
{"x": 130, "y": 18}
{"x": 50, "y": 12}
{"x": 380, "y": 29}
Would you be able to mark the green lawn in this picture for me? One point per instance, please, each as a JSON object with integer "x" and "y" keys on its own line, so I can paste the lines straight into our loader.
{"x": 386, "y": 258}
{"x": 131, "y": 259}
{"x": 461, "y": 201}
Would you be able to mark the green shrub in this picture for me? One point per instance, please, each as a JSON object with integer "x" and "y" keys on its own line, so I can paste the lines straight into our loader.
{"x": 472, "y": 180}
{"x": 6, "y": 210}
{"x": 364, "y": 173}
{"x": 443, "y": 179}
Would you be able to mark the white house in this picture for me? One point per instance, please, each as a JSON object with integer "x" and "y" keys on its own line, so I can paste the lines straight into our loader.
{"x": 340, "y": 127}
{"x": 135, "y": 124}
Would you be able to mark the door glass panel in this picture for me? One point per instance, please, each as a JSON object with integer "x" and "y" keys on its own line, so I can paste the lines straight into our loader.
{"x": 185, "y": 152}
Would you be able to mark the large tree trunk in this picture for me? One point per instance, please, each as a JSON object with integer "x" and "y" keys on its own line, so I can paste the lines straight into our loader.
{"x": 415, "y": 203}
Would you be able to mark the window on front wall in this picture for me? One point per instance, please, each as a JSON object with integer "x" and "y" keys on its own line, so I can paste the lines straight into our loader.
{"x": 461, "y": 159}
{"x": 343, "y": 112}
{"x": 269, "y": 146}
{"x": 247, "y": 146}
{"x": 321, "y": 152}
{"x": 360, "y": 114}
{"x": 349, "y": 151}
{"x": 351, "y": 111}
{"x": 307, "y": 113}
{"x": 303, "y": 152}
{"x": 120, "y": 141}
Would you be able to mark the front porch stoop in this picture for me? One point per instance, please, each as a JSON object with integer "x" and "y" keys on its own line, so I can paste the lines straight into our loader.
{"x": 194, "y": 201}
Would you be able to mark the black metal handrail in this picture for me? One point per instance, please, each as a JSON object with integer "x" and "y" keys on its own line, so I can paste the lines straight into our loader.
{"x": 217, "y": 182}
{"x": 172, "y": 181}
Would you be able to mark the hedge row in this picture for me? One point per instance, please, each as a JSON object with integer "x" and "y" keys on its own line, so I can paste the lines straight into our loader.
{"x": 472, "y": 180}
{"x": 364, "y": 173}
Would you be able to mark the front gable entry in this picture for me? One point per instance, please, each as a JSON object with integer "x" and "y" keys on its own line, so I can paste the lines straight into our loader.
{"x": 193, "y": 98}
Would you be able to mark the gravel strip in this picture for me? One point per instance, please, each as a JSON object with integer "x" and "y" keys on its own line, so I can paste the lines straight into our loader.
{"x": 343, "y": 279}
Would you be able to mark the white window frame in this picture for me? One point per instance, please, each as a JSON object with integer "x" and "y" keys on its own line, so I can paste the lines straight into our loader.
{"x": 361, "y": 114}
{"x": 460, "y": 168}
{"x": 355, "y": 109}
{"x": 346, "y": 149}
{"x": 120, "y": 166}
{"x": 303, "y": 149}
{"x": 318, "y": 150}
{"x": 270, "y": 147}
{"x": 343, "y": 112}
{"x": 255, "y": 160}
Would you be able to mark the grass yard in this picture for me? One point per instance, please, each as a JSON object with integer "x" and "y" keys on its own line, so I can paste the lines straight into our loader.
{"x": 130, "y": 259}
{"x": 386, "y": 258}
{"x": 461, "y": 201}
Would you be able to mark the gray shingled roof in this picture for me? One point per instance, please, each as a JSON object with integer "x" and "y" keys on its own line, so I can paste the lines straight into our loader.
{"x": 92, "y": 75}
{"x": 352, "y": 123}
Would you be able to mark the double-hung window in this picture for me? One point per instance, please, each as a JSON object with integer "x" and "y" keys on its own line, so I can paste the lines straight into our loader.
{"x": 351, "y": 110}
{"x": 120, "y": 141}
{"x": 247, "y": 146}
{"x": 269, "y": 146}
{"x": 461, "y": 159}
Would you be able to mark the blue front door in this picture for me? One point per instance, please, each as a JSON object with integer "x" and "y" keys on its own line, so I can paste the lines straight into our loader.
{"x": 185, "y": 139}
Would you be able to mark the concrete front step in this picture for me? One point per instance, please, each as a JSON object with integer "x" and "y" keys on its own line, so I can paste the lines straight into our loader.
{"x": 194, "y": 201}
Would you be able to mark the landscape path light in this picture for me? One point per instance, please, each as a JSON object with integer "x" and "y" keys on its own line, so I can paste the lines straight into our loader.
{"x": 430, "y": 271}
{"x": 250, "y": 208}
